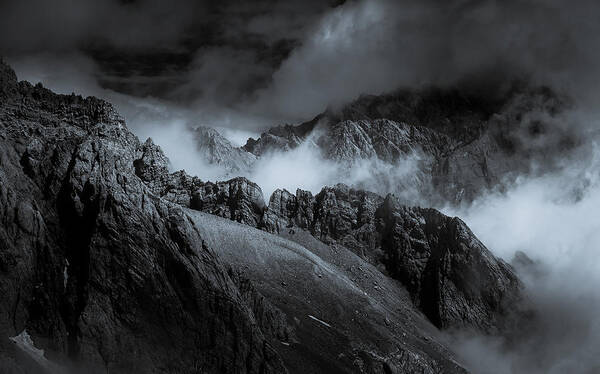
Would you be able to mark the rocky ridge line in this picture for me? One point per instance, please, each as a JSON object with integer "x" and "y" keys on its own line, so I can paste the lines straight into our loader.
{"x": 450, "y": 274}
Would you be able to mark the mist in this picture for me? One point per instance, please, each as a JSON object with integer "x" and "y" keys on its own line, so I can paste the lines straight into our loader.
{"x": 553, "y": 219}
{"x": 306, "y": 168}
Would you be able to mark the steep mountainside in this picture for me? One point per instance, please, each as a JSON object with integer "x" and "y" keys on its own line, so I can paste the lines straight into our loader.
{"x": 449, "y": 273}
{"x": 101, "y": 273}
{"x": 217, "y": 150}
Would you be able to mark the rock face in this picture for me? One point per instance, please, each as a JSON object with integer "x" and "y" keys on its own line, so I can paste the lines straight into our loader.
{"x": 381, "y": 138}
{"x": 103, "y": 274}
{"x": 449, "y": 273}
{"x": 452, "y": 277}
{"x": 346, "y": 315}
{"x": 237, "y": 199}
{"x": 217, "y": 150}
{"x": 464, "y": 145}
{"x": 281, "y": 138}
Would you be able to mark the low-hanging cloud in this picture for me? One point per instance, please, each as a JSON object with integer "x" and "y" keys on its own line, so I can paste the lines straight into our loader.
{"x": 278, "y": 62}
{"x": 377, "y": 46}
{"x": 306, "y": 168}
{"x": 554, "y": 220}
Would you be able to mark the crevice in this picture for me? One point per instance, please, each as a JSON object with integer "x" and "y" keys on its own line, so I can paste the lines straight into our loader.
{"x": 78, "y": 223}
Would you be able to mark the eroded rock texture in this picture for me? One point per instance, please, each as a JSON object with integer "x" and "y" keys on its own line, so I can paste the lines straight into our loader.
{"x": 450, "y": 274}
{"x": 102, "y": 273}
{"x": 457, "y": 145}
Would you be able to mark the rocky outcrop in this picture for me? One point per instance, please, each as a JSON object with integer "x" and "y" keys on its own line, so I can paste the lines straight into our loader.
{"x": 384, "y": 139}
{"x": 8, "y": 80}
{"x": 452, "y": 277}
{"x": 237, "y": 199}
{"x": 102, "y": 273}
{"x": 281, "y": 138}
{"x": 217, "y": 150}
{"x": 104, "y": 268}
{"x": 449, "y": 273}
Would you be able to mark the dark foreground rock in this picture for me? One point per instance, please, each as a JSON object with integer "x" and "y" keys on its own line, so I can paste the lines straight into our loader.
{"x": 100, "y": 272}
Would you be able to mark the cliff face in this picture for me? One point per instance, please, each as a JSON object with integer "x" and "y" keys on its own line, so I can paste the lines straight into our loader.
{"x": 217, "y": 150}
{"x": 104, "y": 275}
{"x": 449, "y": 273}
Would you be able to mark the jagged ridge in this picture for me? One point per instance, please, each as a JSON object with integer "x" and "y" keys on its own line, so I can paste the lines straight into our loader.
{"x": 450, "y": 274}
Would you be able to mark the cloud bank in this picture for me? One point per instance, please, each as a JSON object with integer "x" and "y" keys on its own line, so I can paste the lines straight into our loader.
{"x": 554, "y": 220}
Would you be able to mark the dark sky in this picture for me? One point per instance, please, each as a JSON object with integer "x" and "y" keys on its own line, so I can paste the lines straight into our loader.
{"x": 288, "y": 60}
{"x": 146, "y": 47}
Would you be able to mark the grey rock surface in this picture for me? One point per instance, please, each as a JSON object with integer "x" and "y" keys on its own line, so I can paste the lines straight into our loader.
{"x": 463, "y": 145}
{"x": 449, "y": 273}
{"x": 346, "y": 315}
{"x": 102, "y": 273}
{"x": 217, "y": 150}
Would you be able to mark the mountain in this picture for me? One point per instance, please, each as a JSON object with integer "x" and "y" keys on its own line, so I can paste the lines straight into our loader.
{"x": 99, "y": 272}
{"x": 452, "y": 278}
{"x": 108, "y": 262}
{"x": 217, "y": 150}
{"x": 462, "y": 145}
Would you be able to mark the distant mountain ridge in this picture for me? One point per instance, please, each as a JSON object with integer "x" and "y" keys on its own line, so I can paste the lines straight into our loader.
{"x": 217, "y": 150}
{"x": 464, "y": 145}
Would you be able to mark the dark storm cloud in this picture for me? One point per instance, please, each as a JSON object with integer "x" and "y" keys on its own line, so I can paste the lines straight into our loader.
{"x": 285, "y": 61}
{"x": 152, "y": 47}
{"x": 376, "y": 46}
